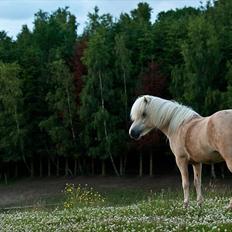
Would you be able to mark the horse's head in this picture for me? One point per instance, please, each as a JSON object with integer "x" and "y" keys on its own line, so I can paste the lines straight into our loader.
{"x": 140, "y": 115}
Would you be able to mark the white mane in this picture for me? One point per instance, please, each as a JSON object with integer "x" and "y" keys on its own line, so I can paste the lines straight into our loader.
{"x": 162, "y": 112}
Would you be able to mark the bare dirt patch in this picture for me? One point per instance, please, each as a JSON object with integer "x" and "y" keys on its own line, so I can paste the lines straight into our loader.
{"x": 26, "y": 191}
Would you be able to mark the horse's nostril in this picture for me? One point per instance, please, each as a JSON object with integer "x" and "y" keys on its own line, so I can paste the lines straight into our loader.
{"x": 134, "y": 134}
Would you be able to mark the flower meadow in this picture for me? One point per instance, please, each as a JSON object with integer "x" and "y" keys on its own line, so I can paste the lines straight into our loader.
{"x": 77, "y": 196}
{"x": 158, "y": 212}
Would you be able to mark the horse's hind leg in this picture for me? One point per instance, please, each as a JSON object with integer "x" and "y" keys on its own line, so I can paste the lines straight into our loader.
{"x": 229, "y": 165}
{"x": 182, "y": 164}
{"x": 197, "y": 181}
{"x": 226, "y": 153}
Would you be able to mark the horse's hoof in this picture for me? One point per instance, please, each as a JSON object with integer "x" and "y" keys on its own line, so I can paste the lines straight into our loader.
{"x": 200, "y": 202}
{"x": 186, "y": 204}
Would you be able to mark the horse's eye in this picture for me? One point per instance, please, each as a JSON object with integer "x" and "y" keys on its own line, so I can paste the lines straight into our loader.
{"x": 144, "y": 115}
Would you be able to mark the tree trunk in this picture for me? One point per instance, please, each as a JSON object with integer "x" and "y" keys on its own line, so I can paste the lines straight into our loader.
{"x": 105, "y": 127}
{"x": 103, "y": 168}
{"x": 40, "y": 167}
{"x": 222, "y": 167}
{"x": 125, "y": 93}
{"x": 92, "y": 167}
{"x": 5, "y": 178}
{"x": 151, "y": 164}
{"x": 80, "y": 169}
{"x": 57, "y": 166}
{"x": 213, "y": 174}
{"x": 140, "y": 165}
{"x": 66, "y": 166}
{"x": 121, "y": 165}
{"x": 75, "y": 167}
{"x": 18, "y": 132}
{"x": 70, "y": 114}
{"x": 124, "y": 165}
{"x": 84, "y": 166}
{"x": 16, "y": 171}
{"x": 32, "y": 169}
{"x": 49, "y": 167}
{"x": 6, "y": 173}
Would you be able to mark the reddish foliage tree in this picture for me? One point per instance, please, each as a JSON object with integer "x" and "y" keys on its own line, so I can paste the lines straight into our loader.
{"x": 79, "y": 69}
{"x": 152, "y": 83}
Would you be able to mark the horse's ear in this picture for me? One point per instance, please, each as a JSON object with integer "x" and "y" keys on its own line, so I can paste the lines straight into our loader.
{"x": 147, "y": 99}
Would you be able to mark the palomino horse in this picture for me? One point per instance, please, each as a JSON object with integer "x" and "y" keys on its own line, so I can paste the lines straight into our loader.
{"x": 193, "y": 139}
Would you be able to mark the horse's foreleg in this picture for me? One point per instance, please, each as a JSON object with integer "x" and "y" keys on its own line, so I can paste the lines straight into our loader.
{"x": 197, "y": 181}
{"x": 183, "y": 167}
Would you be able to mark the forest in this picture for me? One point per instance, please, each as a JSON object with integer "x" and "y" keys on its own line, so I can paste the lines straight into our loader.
{"x": 65, "y": 98}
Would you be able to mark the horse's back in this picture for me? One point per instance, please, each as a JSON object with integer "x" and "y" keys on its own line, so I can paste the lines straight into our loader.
{"x": 221, "y": 123}
{"x": 222, "y": 115}
{"x": 220, "y": 130}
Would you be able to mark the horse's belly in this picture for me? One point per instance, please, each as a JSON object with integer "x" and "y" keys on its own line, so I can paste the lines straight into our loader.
{"x": 207, "y": 157}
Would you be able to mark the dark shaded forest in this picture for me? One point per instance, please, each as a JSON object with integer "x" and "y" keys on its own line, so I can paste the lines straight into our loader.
{"x": 65, "y": 98}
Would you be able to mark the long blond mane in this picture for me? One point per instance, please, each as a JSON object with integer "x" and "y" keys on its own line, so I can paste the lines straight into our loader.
{"x": 163, "y": 113}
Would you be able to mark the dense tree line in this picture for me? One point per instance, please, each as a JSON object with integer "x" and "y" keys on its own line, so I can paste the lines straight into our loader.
{"x": 65, "y": 98}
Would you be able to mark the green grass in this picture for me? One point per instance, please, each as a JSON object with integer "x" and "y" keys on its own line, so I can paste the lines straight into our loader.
{"x": 128, "y": 210}
{"x": 122, "y": 197}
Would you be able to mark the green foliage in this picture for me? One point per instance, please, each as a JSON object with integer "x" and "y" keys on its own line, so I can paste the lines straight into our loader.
{"x": 114, "y": 59}
{"x": 169, "y": 32}
{"x": 136, "y": 29}
{"x": 43, "y": 55}
{"x": 40, "y": 100}
{"x": 201, "y": 80}
{"x": 228, "y": 94}
{"x": 201, "y": 66}
{"x": 60, "y": 123}
{"x": 12, "y": 124}
{"x": 94, "y": 112}
{"x": 55, "y": 34}
{"x": 7, "y": 48}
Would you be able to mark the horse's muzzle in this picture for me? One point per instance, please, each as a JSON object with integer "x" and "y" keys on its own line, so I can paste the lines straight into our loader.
{"x": 135, "y": 134}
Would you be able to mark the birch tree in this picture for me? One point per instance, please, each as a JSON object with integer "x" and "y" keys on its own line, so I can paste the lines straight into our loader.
{"x": 12, "y": 133}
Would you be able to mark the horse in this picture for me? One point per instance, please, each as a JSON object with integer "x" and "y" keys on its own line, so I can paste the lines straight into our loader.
{"x": 193, "y": 139}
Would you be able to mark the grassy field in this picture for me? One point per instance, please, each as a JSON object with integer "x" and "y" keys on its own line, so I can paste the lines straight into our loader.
{"x": 125, "y": 210}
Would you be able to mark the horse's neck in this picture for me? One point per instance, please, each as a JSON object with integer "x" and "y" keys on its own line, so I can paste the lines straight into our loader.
{"x": 166, "y": 132}
{"x": 182, "y": 130}
{"x": 165, "y": 128}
